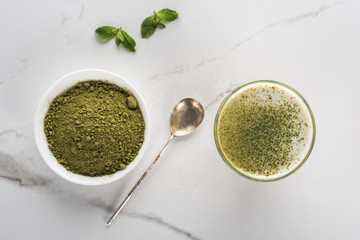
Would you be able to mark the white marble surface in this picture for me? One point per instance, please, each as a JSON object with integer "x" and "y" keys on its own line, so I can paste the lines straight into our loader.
{"x": 214, "y": 46}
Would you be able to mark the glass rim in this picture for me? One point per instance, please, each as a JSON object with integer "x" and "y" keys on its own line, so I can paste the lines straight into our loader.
{"x": 216, "y": 136}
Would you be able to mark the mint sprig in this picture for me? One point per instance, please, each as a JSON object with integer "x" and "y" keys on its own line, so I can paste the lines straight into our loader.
{"x": 107, "y": 33}
{"x": 158, "y": 19}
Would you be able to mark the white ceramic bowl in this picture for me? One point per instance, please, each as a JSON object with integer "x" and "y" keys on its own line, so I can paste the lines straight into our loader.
{"x": 59, "y": 87}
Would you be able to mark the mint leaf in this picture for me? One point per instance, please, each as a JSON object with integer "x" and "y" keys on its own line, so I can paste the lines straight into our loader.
{"x": 120, "y": 35}
{"x": 106, "y": 33}
{"x": 167, "y": 15}
{"x": 161, "y": 25}
{"x": 117, "y": 41}
{"x": 148, "y": 26}
{"x": 119, "y": 38}
{"x": 128, "y": 41}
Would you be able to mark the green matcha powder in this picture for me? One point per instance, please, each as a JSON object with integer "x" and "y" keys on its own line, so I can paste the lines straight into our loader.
{"x": 95, "y": 128}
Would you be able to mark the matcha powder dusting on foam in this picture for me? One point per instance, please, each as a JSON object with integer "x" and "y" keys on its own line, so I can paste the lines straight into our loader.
{"x": 95, "y": 128}
{"x": 263, "y": 132}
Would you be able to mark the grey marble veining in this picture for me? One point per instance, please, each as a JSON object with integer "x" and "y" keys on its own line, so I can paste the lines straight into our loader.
{"x": 291, "y": 20}
{"x": 158, "y": 220}
{"x": 18, "y": 160}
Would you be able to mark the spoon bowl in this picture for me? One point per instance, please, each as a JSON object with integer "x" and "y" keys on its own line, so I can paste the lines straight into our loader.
{"x": 186, "y": 117}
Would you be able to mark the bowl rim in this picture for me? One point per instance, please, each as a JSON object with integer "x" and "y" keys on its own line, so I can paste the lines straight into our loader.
{"x": 69, "y": 80}
{"x": 216, "y": 136}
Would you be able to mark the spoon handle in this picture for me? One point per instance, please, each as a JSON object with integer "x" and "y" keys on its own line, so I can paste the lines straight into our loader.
{"x": 116, "y": 212}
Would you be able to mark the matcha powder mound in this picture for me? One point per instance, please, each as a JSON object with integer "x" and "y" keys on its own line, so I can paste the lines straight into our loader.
{"x": 95, "y": 128}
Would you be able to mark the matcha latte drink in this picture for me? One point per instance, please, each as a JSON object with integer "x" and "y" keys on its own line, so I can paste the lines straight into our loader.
{"x": 264, "y": 130}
